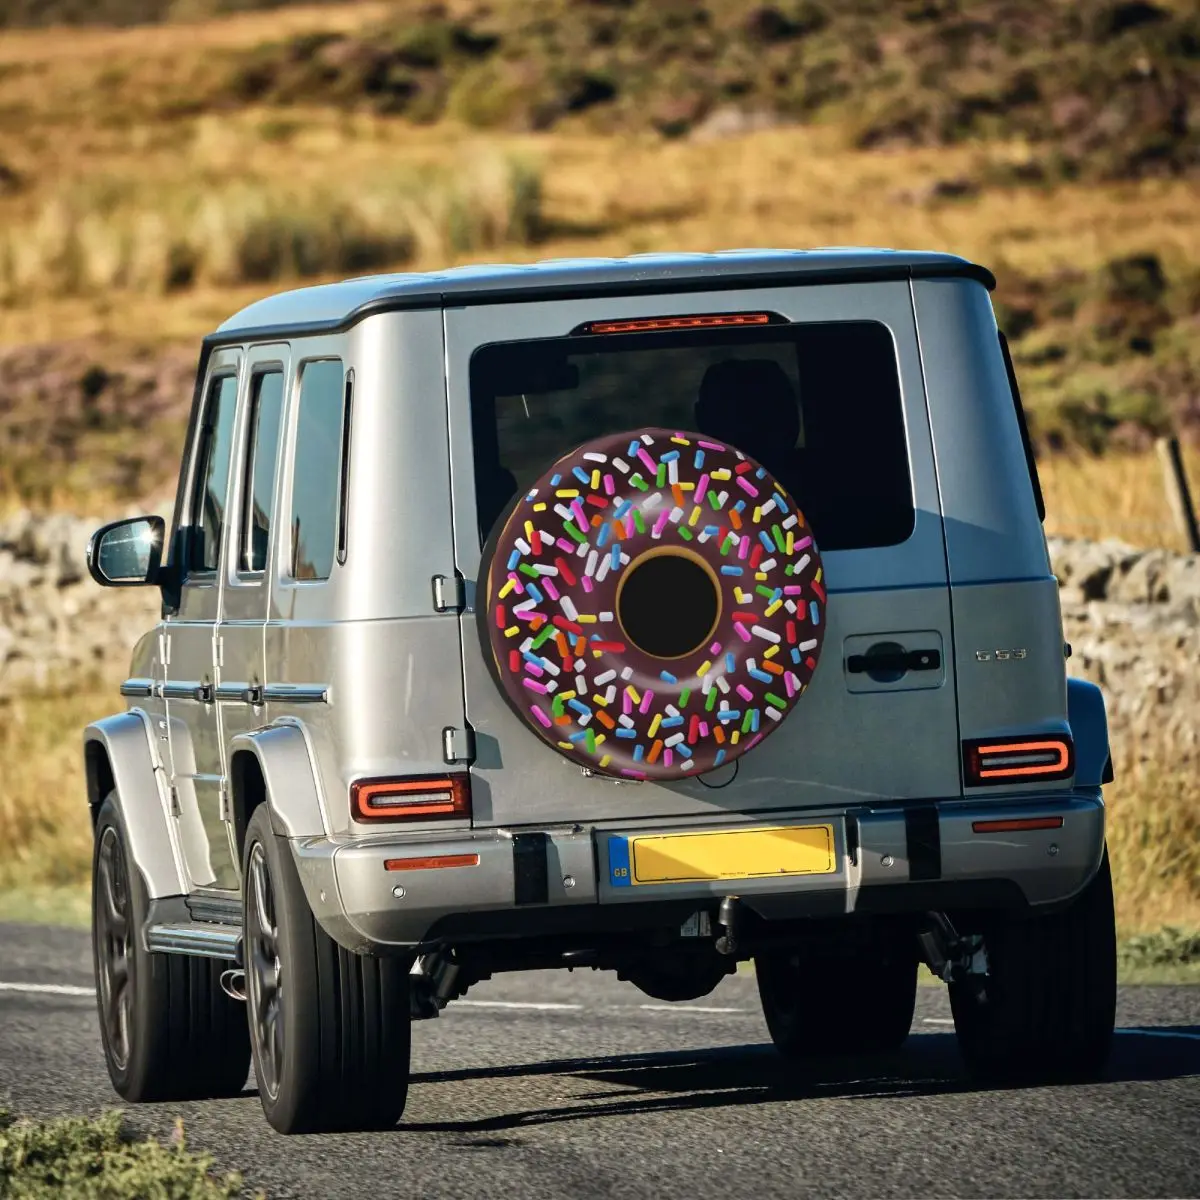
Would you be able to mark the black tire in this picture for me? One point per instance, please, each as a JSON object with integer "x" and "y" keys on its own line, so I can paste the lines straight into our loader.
{"x": 821, "y": 1005}
{"x": 1048, "y": 1003}
{"x": 169, "y": 1032}
{"x": 331, "y": 1038}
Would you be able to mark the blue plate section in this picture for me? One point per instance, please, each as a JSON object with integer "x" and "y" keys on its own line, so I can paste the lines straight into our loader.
{"x": 618, "y": 862}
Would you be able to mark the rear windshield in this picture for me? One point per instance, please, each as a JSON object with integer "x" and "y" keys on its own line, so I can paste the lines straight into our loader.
{"x": 818, "y": 405}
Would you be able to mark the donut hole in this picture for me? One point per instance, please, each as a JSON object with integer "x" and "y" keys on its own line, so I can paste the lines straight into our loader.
{"x": 668, "y": 604}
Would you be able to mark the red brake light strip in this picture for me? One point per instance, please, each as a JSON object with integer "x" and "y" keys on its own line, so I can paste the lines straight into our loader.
{"x": 648, "y": 324}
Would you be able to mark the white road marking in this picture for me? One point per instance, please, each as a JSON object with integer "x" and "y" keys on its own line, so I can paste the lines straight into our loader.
{"x": 1163, "y": 1033}
{"x": 700, "y": 1008}
{"x": 50, "y": 989}
{"x": 1171, "y": 1033}
{"x": 513, "y": 1004}
{"x": 67, "y": 989}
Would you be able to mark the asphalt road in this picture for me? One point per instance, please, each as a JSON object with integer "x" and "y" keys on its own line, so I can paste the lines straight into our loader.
{"x": 579, "y": 1086}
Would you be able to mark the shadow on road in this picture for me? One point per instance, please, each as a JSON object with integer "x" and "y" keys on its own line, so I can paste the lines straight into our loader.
{"x": 724, "y": 1077}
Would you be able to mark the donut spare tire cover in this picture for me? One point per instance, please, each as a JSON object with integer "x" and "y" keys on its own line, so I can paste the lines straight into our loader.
{"x": 654, "y": 605}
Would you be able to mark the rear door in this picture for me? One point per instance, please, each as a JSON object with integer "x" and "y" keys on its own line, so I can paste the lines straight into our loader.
{"x": 240, "y": 635}
{"x": 197, "y": 762}
{"x": 861, "y": 469}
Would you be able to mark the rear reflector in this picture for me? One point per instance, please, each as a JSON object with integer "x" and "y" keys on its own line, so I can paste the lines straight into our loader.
{"x": 1017, "y": 824}
{"x": 431, "y": 864}
{"x": 1017, "y": 760}
{"x": 419, "y": 799}
{"x": 658, "y": 324}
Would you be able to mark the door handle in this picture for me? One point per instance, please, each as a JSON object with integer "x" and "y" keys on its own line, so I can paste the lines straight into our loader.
{"x": 897, "y": 660}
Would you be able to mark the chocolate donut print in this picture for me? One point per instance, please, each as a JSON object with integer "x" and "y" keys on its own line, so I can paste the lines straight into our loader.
{"x": 654, "y": 605}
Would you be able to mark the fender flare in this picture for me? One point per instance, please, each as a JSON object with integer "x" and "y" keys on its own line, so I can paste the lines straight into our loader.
{"x": 290, "y": 780}
{"x": 1089, "y": 728}
{"x": 118, "y": 756}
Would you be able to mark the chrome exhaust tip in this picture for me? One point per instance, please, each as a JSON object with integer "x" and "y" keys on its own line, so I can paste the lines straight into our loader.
{"x": 233, "y": 983}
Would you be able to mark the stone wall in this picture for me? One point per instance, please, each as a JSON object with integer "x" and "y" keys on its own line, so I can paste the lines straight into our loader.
{"x": 1132, "y": 617}
{"x": 54, "y": 620}
{"x": 1133, "y": 620}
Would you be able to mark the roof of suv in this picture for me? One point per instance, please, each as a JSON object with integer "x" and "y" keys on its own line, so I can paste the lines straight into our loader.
{"x": 334, "y": 305}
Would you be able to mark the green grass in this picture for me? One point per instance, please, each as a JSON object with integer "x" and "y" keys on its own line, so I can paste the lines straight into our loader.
{"x": 121, "y": 234}
{"x": 98, "y": 1159}
{"x": 70, "y": 906}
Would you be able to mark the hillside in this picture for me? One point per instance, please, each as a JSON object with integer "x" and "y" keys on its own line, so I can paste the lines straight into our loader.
{"x": 155, "y": 178}
{"x": 1098, "y": 88}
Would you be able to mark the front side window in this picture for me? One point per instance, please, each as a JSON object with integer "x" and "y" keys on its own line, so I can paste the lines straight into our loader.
{"x": 212, "y": 475}
{"x": 818, "y": 405}
{"x": 316, "y": 494}
{"x": 266, "y": 412}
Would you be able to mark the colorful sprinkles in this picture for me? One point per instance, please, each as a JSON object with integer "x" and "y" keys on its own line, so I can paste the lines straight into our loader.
{"x": 559, "y": 651}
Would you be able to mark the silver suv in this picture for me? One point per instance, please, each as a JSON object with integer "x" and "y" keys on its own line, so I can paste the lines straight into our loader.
{"x": 648, "y": 615}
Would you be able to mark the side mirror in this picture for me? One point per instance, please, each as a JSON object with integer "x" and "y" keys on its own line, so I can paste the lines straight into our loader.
{"x": 127, "y": 553}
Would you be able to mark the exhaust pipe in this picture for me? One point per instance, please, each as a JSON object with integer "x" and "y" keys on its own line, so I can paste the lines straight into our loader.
{"x": 233, "y": 983}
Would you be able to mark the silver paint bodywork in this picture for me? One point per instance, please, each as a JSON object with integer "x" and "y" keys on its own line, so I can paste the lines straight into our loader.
{"x": 362, "y": 676}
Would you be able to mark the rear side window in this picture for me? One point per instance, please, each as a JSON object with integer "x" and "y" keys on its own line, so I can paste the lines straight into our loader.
{"x": 266, "y": 412}
{"x": 818, "y": 405}
{"x": 316, "y": 486}
{"x": 1030, "y": 460}
{"x": 212, "y": 475}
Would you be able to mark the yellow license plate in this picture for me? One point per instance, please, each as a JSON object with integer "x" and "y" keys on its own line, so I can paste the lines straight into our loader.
{"x": 717, "y": 855}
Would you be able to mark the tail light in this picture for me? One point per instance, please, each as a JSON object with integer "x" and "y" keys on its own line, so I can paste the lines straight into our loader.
{"x": 990, "y": 761}
{"x": 662, "y": 324}
{"x": 411, "y": 799}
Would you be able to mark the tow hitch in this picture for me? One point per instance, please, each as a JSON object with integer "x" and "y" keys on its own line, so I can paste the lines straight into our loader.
{"x": 727, "y": 918}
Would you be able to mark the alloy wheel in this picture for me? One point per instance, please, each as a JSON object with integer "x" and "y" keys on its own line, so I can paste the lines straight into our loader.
{"x": 264, "y": 981}
{"x": 114, "y": 949}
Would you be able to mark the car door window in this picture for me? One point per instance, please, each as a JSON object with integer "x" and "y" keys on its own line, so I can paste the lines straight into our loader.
{"x": 316, "y": 495}
{"x": 212, "y": 475}
{"x": 266, "y": 411}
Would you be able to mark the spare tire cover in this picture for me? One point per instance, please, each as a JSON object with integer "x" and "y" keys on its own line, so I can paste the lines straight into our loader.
{"x": 653, "y": 606}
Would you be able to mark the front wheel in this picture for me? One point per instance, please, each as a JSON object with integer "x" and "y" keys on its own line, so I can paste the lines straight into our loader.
{"x": 329, "y": 1028}
{"x": 1047, "y": 1004}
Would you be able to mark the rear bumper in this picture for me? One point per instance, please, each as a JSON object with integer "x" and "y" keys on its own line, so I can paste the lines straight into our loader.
{"x": 899, "y": 858}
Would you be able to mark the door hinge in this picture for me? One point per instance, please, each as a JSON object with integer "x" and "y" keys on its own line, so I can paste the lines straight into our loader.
{"x": 458, "y": 745}
{"x": 449, "y": 593}
{"x": 176, "y": 809}
{"x": 224, "y": 802}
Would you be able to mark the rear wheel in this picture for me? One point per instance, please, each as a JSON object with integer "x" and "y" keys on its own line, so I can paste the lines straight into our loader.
{"x": 820, "y": 1004}
{"x": 169, "y": 1032}
{"x": 1047, "y": 1004}
{"x": 329, "y": 1028}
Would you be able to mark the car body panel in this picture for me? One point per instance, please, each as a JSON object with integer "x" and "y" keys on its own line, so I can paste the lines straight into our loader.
{"x": 125, "y": 740}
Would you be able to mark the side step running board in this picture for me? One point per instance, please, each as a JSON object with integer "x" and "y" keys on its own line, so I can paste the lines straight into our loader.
{"x": 202, "y": 938}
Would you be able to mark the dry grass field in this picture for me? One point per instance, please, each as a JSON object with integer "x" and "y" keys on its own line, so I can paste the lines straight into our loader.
{"x": 142, "y": 201}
